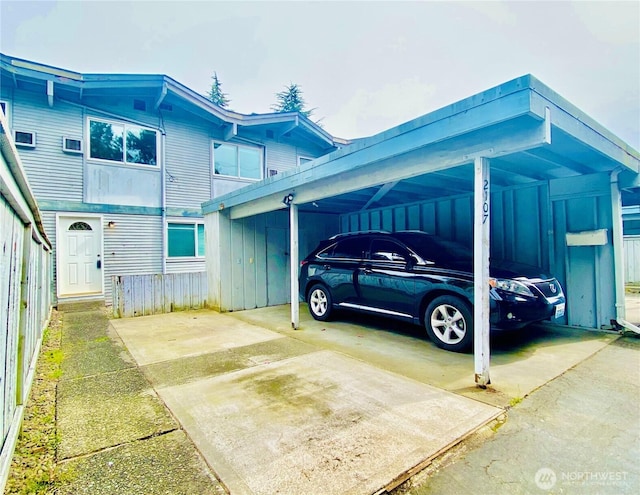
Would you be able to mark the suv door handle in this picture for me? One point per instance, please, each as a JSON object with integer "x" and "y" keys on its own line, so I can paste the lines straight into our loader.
{"x": 366, "y": 269}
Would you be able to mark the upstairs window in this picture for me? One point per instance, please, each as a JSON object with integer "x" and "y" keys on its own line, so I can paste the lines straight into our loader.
{"x": 123, "y": 143}
{"x": 185, "y": 240}
{"x": 233, "y": 160}
{"x": 4, "y": 106}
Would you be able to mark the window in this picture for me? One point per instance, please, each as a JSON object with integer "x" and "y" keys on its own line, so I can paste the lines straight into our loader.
{"x": 124, "y": 143}
{"x": 25, "y": 139}
{"x": 80, "y": 226}
{"x": 233, "y": 160}
{"x": 350, "y": 248}
{"x": 185, "y": 240}
{"x": 385, "y": 250}
{"x": 4, "y": 106}
{"x": 71, "y": 145}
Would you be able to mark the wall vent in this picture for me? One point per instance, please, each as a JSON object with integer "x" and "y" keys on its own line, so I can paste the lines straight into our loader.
{"x": 139, "y": 105}
{"x": 270, "y": 134}
{"x": 25, "y": 139}
{"x": 71, "y": 145}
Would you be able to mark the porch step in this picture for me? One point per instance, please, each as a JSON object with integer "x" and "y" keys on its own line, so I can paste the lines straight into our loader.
{"x": 79, "y": 306}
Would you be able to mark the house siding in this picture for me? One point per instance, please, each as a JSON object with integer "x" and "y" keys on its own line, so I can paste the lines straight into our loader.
{"x": 130, "y": 196}
{"x": 52, "y": 173}
{"x": 132, "y": 247}
{"x": 187, "y": 163}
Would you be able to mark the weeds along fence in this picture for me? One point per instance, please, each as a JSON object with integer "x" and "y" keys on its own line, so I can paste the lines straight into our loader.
{"x": 25, "y": 293}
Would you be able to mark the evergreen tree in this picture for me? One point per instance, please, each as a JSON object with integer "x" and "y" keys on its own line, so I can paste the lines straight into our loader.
{"x": 291, "y": 100}
{"x": 215, "y": 94}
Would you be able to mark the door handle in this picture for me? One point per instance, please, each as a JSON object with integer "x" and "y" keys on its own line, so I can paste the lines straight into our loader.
{"x": 366, "y": 269}
{"x": 99, "y": 263}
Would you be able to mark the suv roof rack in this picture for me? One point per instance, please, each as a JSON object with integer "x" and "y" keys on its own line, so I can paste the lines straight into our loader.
{"x": 346, "y": 234}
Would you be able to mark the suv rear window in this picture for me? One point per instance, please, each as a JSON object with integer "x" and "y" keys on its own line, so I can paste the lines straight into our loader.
{"x": 351, "y": 248}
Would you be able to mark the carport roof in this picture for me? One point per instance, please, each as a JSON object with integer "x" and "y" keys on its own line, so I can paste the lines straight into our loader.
{"x": 529, "y": 132}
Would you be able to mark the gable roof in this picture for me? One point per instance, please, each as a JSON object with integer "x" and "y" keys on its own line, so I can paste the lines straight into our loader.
{"x": 74, "y": 87}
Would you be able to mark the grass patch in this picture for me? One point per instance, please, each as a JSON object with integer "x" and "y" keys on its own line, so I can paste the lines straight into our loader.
{"x": 33, "y": 468}
{"x": 515, "y": 401}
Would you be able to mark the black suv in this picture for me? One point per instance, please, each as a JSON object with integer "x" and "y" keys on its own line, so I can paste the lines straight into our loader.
{"x": 421, "y": 278}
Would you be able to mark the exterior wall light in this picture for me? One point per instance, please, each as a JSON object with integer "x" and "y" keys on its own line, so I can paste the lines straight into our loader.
{"x": 287, "y": 200}
{"x": 111, "y": 224}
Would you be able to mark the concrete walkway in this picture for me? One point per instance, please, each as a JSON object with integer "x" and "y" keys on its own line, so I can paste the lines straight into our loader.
{"x": 579, "y": 434}
{"x": 205, "y": 403}
{"x": 115, "y": 435}
{"x": 273, "y": 414}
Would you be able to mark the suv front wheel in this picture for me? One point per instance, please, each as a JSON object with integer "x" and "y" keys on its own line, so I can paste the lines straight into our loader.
{"x": 449, "y": 323}
{"x": 319, "y": 300}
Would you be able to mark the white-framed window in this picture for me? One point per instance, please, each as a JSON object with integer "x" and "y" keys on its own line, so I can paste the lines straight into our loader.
{"x": 303, "y": 159}
{"x": 122, "y": 142}
{"x": 237, "y": 160}
{"x": 185, "y": 239}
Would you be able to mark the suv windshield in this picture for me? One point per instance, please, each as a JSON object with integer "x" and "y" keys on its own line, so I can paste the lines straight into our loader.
{"x": 433, "y": 248}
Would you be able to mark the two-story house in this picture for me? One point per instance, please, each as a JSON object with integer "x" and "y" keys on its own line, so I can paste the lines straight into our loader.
{"x": 121, "y": 163}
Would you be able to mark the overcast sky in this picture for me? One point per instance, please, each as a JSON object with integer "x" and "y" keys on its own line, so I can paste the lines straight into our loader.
{"x": 364, "y": 66}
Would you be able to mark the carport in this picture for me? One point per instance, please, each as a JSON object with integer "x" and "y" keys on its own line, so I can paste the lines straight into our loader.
{"x": 516, "y": 170}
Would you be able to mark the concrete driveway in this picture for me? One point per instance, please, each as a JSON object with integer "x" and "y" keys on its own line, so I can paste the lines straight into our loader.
{"x": 352, "y": 406}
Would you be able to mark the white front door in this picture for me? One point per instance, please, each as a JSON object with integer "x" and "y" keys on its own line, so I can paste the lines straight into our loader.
{"x": 79, "y": 255}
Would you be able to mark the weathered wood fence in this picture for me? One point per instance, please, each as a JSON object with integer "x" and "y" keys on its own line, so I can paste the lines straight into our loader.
{"x": 25, "y": 294}
{"x": 141, "y": 295}
{"x": 632, "y": 259}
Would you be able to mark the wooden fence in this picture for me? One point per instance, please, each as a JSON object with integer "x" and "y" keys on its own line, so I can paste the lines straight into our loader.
{"x": 141, "y": 295}
{"x": 25, "y": 294}
{"x": 632, "y": 259}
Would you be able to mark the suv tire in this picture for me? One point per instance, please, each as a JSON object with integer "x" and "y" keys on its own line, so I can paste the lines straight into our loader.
{"x": 320, "y": 304}
{"x": 449, "y": 323}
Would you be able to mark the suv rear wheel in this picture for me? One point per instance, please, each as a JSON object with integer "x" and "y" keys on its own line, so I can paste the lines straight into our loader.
{"x": 449, "y": 323}
{"x": 319, "y": 301}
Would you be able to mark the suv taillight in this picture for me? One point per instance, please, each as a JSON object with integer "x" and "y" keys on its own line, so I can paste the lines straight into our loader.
{"x": 303, "y": 262}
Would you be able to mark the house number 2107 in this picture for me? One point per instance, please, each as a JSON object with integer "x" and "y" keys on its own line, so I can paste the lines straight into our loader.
{"x": 485, "y": 201}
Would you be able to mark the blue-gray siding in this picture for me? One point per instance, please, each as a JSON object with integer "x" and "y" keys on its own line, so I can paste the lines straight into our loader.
{"x": 251, "y": 251}
{"x": 52, "y": 173}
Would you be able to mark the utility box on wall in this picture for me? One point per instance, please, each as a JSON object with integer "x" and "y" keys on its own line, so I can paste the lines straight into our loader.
{"x": 587, "y": 238}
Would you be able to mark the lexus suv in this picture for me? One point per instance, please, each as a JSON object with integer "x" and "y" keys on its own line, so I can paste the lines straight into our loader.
{"x": 423, "y": 279}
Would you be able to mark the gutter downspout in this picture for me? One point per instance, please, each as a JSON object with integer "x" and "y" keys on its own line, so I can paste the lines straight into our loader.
{"x": 163, "y": 199}
{"x": 618, "y": 252}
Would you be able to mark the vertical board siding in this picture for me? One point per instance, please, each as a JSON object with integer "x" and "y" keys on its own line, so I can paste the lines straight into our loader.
{"x": 25, "y": 300}
{"x": 245, "y": 282}
{"x": 53, "y": 174}
{"x": 142, "y": 295}
{"x": 519, "y": 222}
{"x": 586, "y": 272}
{"x": 632, "y": 259}
{"x": 10, "y": 268}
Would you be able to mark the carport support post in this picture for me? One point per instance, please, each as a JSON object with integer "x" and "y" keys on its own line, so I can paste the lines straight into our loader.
{"x": 481, "y": 251}
{"x": 293, "y": 258}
